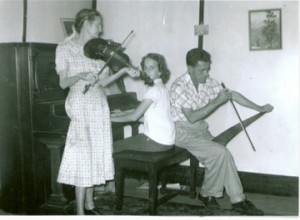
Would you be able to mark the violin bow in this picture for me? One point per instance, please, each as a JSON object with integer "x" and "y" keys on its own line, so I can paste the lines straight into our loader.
{"x": 87, "y": 86}
{"x": 240, "y": 120}
{"x": 227, "y": 135}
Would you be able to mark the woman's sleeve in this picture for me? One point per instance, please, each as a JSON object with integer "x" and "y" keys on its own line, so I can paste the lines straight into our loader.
{"x": 150, "y": 94}
{"x": 61, "y": 56}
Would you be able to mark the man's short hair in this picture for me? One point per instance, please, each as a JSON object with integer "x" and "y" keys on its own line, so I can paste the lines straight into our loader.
{"x": 195, "y": 55}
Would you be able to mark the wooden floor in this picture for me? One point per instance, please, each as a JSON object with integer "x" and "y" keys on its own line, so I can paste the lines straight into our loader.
{"x": 271, "y": 205}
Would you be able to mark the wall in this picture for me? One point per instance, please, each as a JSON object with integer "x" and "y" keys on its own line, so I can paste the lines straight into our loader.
{"x": 46, "y": 16}
{"x": 43, "y": 19}
{"x": 164, "y": 27}
{"x": 262, "y": 76}
{"x": 12, "y": 16}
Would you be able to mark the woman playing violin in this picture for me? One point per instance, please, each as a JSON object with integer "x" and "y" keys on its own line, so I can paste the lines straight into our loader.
{"x": 87, "y": 158}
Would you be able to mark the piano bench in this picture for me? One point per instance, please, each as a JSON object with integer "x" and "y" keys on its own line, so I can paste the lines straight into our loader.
{"x": 156, "y": 165}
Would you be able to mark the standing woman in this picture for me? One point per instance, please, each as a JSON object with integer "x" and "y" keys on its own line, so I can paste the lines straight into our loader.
{"x": 87, "y": 158}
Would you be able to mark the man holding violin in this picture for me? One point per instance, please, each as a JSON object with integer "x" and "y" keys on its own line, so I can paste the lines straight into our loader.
{"x": 194, "y": 96}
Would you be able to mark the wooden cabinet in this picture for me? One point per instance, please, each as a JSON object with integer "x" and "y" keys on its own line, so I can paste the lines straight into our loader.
{"x": 24, "y": 166}
{"x": 49, "y": 127}
{"x": 33, "y": 126}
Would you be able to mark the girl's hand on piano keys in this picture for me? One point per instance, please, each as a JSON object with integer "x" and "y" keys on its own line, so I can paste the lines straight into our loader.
{"x": 118, "y": 112}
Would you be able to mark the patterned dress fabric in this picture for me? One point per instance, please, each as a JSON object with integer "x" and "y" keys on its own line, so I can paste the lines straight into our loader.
{"x": 87, "y": 158}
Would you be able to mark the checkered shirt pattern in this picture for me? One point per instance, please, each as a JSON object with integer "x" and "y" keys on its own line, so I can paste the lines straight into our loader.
{"x": 184, "y": 94}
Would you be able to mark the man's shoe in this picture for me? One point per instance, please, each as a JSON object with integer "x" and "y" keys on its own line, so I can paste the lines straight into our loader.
{"x": 246, "y": 208}
{"x": 210, "y": 202}
{"x": 92, "y": 212}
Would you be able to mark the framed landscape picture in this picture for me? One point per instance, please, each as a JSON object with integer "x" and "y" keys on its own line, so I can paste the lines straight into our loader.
{"x": 265, "y": 29}
{"x": 67, "y": 25}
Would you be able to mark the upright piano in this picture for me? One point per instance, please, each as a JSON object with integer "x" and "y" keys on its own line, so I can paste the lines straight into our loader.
{"x": 34, "y": 126}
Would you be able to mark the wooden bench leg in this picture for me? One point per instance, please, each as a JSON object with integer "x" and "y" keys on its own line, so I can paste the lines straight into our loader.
{"x": 119, "y": 185}
{"x": 163, "y": 179}
{"x": 194, "y": 164}
{"x": 152, "y": 190}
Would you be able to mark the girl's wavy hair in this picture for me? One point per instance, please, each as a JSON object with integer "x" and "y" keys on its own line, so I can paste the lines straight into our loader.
{"x": 83, "y": 15}
{"x": 162, "y": 67}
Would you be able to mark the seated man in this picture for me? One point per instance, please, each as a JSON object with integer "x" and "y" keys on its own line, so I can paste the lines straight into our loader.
{"x": 194, "y": 96}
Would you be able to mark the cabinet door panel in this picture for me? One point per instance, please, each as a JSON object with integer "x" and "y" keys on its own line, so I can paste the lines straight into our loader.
{"x": 10, "y": 130}
{"x": 45, "y": 78}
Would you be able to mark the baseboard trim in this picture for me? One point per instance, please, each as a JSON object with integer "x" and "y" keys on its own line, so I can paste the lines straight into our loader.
{"x": 252, "y": 182}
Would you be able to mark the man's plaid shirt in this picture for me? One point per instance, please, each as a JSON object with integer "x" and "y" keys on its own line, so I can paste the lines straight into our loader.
{"x": 184, "y": 94}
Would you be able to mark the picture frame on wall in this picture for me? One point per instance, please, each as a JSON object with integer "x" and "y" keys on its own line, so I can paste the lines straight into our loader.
{"x": 265, "y": 29}
{"x": 67, "y": 24}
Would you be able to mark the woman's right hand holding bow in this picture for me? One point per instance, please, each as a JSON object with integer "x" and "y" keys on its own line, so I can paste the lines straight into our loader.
{"x": 88, "y": 76}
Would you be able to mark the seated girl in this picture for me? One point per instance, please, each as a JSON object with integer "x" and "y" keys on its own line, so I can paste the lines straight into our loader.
{"x": 159, "y": 130}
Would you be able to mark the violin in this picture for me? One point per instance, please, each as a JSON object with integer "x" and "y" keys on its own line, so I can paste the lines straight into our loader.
{"x": 108, "y": 51}
{"x": 97, "y": 48}
{"x": 102, "y": 49}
